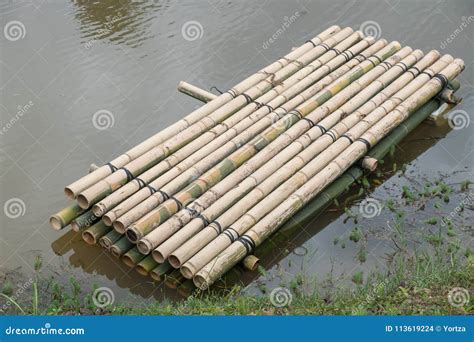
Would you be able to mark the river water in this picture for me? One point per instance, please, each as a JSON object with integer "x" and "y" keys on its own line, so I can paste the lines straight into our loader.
{"x": 67, "y": 60}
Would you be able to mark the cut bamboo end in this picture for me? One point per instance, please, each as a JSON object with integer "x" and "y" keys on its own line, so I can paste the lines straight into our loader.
{"x": 158, "y": 256}
{"x": 187, "y": 271}
{"x": 201, "y": 282}
{"x": 89, "y": 238}
{"x": 369, "y": 163}
{"x": 172, "y": 259}
{"x": 159, "y": 271}
{"x": 82, "y": 201}
{"x": 107, "y": 220}
{"x": 133, "y": 234}
{"x": 69, "y": 193}
{"x": 56, "y": 222}
{"x": 196, "y": 92}
{"x": 65, "y": 216}
{"x": 144, "y": 246}
{"x": 119, "y": 227}
{"x": 251, "y": 263}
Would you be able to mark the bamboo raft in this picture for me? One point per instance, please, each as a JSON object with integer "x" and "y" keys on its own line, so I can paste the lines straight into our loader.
{"x": 197, "y": 198}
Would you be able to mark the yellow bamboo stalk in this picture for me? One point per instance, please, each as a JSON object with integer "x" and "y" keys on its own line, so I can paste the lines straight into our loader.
{"x": 314, "y": 185}
{"x": 83, "y": 183}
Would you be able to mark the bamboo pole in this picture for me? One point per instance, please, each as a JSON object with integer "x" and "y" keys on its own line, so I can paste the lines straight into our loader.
{"x": 143, "y": 201}
{"x": 196, "y": 92}
{"x": 146, "y": 265}
{"x": 132, "y": 257}
{"x": 155, "y": 217}
{"x": 195, "y": 151}
{"x": 174, "y": 279}
{"x": 83, "y": 221}
{"x": 104, "y": 187}
{"x": 109, "y": 239}
{"x": 92, "y": 234}
{"x": 83, "y": 183}
{"x": 65, "y": 216}
{"x": 184, "y": 249}
{"x": 270, "y": 198}
{"x": 227, "y": 192}
{"x": 120, "y": 247}
{"x": 270, "y": 223}
{"x": 159, "y": 271}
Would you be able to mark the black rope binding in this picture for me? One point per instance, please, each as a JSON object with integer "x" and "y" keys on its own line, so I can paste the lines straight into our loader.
{"x": 152, "y": 189}
{"x": 347, "y": 137}
{"x": 141, "y": 183}
{"x": 178, "y": 203}
{"x": 128, "y": 173}
{"x": 203, "y": 219}
{"x": 164, "y": 194}
{"x": 443, "y": 80}
{"x": 310, "y": 41}
{"x": 365, "y": 142}
{"x": 248, "y": 243}
{"x": 112, "y": 167}
{"x": 217, "y": 89}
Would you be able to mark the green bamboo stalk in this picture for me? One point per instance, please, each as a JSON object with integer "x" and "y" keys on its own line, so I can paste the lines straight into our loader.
{"x": 120, "y": 247}
{"x": 132, "y": 257}
{"x": 109, "y": 239}
{"x": 146, "y": 265}
{"x": 65, "y": 216}
{"x": 83, "y": 221}
{"x": 159, "y": 271}
{"x": 92, "y": 234}
{"x": 155, "y": 217}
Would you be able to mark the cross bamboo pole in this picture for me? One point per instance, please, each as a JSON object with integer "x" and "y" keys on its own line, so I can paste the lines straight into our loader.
{"x": 109, "y": 239}
{"x": 104, "y": 187}
{"x": 142, "y": 202}
{"x": 65, "y": 216}
{"x": 196, "y": 92}
{"x": 270, "y": 223}
{"x": 85, "y": 182}
{"x": 92, "y": 234}
{"x": 219, "y": 135}
{"x": 183, "y": 249}
{"x": 155, "y": 217}
{"x": 267, "y": 198}
{"x": 270, "y": 159}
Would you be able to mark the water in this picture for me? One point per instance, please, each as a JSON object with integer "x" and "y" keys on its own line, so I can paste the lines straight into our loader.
{"x": 126, "y": 58}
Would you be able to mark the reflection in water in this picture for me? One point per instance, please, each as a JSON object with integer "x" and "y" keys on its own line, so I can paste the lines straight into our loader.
{"x": 118, "y": 21}
{"x": 290, "y": 239}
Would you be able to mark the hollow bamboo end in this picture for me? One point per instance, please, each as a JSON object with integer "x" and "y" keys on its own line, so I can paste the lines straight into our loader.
{"x": 144, "y": 246}
{"x": 141, "y": 270}
{"x": 104, "y": 243}
{"x": 186, "y": 271}
{"x": 369, "y": 163}
{"x": 127, "y": 260}
{"x": 82, "y": 201}
{"x": 114, "y": 251}
{"x": 98, "y": 209}
{"x": 133, "y": 235}
{"x": 119, "y": 227}
{"x": 69, "y": 193}
{"x": 88, "y": 238}
{"x": 200, "y": 282}
{"x": 75, "y": 227}
{"x": 174, "y": 261}
{"x": 158, "y": 256}
{"x": 107, "y": 220}
{"x": 251, "y": 262}
{"x": 155, "y": 276}
{"x": 56, "y": 222}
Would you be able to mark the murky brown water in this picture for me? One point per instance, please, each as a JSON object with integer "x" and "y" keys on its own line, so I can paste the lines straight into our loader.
{"x": 127, "y": 57}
